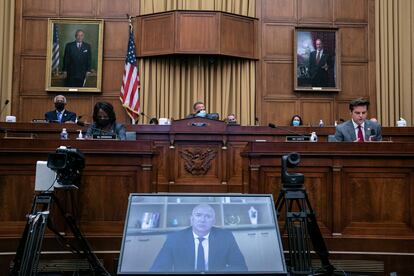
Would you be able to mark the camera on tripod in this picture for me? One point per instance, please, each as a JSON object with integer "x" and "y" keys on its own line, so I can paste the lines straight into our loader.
{"x": 291, "y": 180}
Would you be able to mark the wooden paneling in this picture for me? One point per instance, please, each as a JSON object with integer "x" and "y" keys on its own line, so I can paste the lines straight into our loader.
{"x": 190, "y": 38}
{"x": 351, "y": 10}
{"x": 313, "y": 111}
{"x": 235, "y": 32}
{"x": 355, "y": 80}
{"x": 34, "y": 36}
{"x": 86, "y": 8}
{"x": 156, "y": 35}
{"x": 277, "y": 41}
{"x": 34, "y": 107}
{"x": 278, "y": 79}
{"x": 111, "y": 8}
{"x": 279, "y": 10}
{"x": 354, "y": 44}
{"x": 315, "y": 11}
{"x": 115, "y": 39}
{"x": 279, "y": 112}
{"x": 113, "y": 71}
{"x": 41, "y": 8}
{"x": 33, "y": 75}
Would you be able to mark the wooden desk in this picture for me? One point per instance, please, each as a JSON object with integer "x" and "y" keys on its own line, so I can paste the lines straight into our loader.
{"x": 362, "y": 193}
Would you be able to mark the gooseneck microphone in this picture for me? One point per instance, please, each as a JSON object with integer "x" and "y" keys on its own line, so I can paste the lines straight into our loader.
{"x": 151, "y": 120}
{"x": 286, "y": 129}
{"x": 6, "y": 102}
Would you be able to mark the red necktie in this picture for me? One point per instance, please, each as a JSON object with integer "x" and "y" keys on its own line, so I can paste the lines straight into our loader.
{"x": 360, "y": 134}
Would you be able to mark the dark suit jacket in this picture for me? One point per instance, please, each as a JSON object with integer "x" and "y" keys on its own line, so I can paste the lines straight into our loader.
{"x": 117, "y": 129}
{"x": 319, "y": 76}
{"x": 178, "y": 253}
{"x": 76, "y": 62}
{"x": 51, "y": 116}
{"x": 346, "y": 132}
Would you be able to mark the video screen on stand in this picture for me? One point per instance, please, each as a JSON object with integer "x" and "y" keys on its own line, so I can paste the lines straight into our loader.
{"x": 201, "y": 234}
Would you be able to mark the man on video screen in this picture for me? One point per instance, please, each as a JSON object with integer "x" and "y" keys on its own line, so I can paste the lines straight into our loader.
{"x": 200, "y": 247}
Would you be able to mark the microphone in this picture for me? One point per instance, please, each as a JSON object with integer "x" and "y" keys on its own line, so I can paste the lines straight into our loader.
{"x": 101, "y": 131}
{"x": 151, "y": 120}
{"x": 6, "y": 102}
{"x": 287, "y": 130}
{"x": 372, "y": 134}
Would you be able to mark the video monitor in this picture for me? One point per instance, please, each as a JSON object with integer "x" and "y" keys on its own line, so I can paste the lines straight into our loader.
{"x": 201, "y": 234}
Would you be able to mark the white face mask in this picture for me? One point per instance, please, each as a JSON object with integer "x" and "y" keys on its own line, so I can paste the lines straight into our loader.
{"x": 202, "y": 113}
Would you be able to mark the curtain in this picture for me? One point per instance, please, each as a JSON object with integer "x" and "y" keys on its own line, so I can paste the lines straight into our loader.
{"x": 170, "y": 85}
{"x": 6, "y": 53}
{"x": 395, "y": 60}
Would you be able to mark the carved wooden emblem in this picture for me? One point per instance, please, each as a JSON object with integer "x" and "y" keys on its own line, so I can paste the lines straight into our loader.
{"x": 198, "y": 161}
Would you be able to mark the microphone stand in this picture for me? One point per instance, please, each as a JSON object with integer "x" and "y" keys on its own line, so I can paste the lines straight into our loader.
{"x": 151, "y": 120}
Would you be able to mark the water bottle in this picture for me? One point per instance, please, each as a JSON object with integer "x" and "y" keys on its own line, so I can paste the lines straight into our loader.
{"x": 321, "y": 124}
{"x": 313, "y": 137}
{"x": 64, "y": 134}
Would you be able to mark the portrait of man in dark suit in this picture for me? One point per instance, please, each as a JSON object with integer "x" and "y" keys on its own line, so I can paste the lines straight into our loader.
{"x": 319, "y": 64}
{"x": 77, "y": 61}
{"x": 200, "y": 247}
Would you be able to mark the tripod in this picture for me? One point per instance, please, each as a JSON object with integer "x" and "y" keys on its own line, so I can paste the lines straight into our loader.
{"x": 301, "y": 225}
{"x": 28, "y": 252}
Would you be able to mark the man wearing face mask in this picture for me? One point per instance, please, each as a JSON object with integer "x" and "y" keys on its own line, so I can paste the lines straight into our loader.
{"x": 199, "y": 110}
{"x": 104, "y": 122}
{"x": 60, "y": 114}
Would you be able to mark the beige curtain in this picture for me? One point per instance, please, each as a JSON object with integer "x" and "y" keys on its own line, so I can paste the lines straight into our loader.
{"x": 395, "y": 60}
{"x": 170, "y": 85}
{"x": 6, "y": 53}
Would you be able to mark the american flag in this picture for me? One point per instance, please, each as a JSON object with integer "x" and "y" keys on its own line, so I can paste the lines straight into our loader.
{"x": 55, "y": 49}
{"x": 130, "y": 83}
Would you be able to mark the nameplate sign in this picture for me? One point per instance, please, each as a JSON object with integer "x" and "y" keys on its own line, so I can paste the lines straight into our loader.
{"x": 298, "y": 138}
{"x": 104, "y": 137}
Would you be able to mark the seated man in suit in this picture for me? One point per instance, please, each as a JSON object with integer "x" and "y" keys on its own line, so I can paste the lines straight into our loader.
{"x": 200, "y": 247}
{"x": 358, "y": 129}
{"x": 60, "y": 115}
{"x": 199, "y": 110}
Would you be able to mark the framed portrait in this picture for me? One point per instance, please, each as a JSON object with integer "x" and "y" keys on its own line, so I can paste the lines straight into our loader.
{"x": 74, "y": 55}
{"x": 317, "y": 60}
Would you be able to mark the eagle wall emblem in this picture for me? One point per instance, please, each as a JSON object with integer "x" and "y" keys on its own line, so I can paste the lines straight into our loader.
{"x": 198, "y": 161}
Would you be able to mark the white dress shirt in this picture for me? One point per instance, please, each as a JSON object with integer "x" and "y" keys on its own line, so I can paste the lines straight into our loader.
{"x": 356, "y": 129}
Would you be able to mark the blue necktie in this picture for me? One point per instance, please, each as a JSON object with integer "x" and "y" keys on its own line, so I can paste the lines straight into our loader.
{"x": 201, "y": 263}
{"x": 59, "y": 117}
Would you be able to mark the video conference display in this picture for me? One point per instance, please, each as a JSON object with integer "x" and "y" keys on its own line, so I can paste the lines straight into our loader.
{"x": 201, "y": 233}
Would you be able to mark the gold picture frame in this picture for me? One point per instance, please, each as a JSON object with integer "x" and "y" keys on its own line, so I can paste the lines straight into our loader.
{"x": 317, "y": 59}
{"x": 74, "y": 55}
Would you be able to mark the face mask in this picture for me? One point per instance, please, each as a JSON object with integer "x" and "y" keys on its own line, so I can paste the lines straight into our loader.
{"x": 202, "y": 113}
{"x": 59, "y": 106}
{"x": 296, "y": 123}
{"x": 102, "y": 122}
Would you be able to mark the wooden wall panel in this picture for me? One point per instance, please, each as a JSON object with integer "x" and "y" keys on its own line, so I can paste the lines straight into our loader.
{"x": 279, "y": 10}
{"x": 354, "y": 80}
{"x": 377, "y": 200}
{"x": 351, "y": 10}
{"x": 278, "y": 112}
{"x": 315, "y": 11}
{"x": 34, "y": 107}
{"x": 354, "y": 41}
{"x": 278, "y": 79}
{"x": 32, "y": 75}
{"x": 41, "y": 8}
{"x": 342, "y": 111}
{"x": 82, "y": 8}
{"x": 34, "y": 37}
{"x": 161, "y": 36}
{"x": 191, "y": 38}
{"x": 315, "y": 110}
{"x": 112, "y": 73}
{"x": 111, "y": 8}
{"x": 115, "y": 38}
{"x": 278, "y": 41}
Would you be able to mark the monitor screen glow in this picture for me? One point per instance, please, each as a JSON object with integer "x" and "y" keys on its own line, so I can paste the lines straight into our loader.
{"x": 201, "y": 233}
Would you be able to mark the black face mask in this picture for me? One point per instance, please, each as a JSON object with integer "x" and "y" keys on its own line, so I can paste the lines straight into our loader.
{"x": 59, "y": 106}
{"x": 102, "y": 122}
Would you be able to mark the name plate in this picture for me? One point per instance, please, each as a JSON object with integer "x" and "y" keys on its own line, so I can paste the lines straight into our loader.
{"x": 298, "y": 138}
{"x": 104, "y": 137}
{"x": 39, "y": 121}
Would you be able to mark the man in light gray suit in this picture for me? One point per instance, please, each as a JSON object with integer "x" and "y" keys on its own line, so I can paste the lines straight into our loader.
{"x": 358, "y": 129}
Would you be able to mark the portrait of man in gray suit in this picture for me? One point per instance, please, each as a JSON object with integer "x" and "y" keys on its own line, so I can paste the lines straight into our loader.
{"x": 358, "y": 128}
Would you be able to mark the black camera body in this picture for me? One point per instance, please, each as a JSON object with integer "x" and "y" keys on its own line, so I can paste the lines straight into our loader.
{"x": 291, "y": 180}
{"x": 68, "y": 164}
